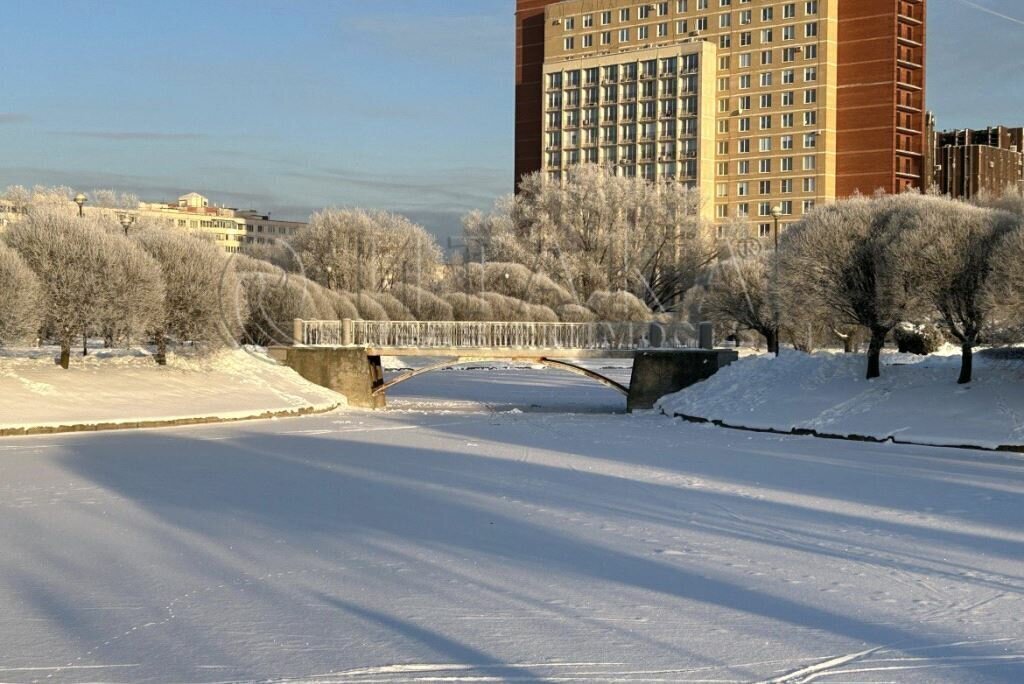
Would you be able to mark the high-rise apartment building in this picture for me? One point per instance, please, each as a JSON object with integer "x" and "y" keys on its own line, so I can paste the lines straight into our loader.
{"x": 759, "y": 103}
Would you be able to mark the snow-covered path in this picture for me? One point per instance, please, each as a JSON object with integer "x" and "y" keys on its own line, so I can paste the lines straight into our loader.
{"x": 496, "y": 539}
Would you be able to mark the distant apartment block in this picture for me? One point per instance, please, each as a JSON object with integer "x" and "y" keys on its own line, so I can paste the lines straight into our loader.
{"x": 758, "y": 103}
{"x": 229, "y": 228}
{"x": 969, "y": 162}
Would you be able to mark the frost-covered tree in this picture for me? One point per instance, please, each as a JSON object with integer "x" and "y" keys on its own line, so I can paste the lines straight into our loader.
{"x": 949, "y": 251}
{"x": 368, "y": 307}
{"x": 355, "y": 250}
{"x": 1006, "y": 286}
{"x": 512, "y": 280}
{"x": 274, "y": 300}
{"x": 618, "y": 306}
{"x": 424, "y": 305}
{"x": 841, "y": 258}
{"x": 50, "y": 199}
{"x": 466, "y": 307}
{"x": 21, "y": 298}
{"x": 574, "y": 313}
{"x": 67, "y": 255}
{"x": 111, "y": 199}
{"x": 132, "y": 304}
{"x": 203, "y": 300}
{"x": 504, "y": 308}
{"x": 393, "y": 307}
{"x": 597, "y": 231}
{"x": 739, "y": 296}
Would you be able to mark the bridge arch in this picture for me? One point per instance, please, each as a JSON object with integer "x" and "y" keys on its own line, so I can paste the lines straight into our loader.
{"x": 550, "y": 363}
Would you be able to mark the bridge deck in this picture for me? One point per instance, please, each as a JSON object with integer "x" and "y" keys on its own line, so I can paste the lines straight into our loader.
{"x": 503, "y": 352}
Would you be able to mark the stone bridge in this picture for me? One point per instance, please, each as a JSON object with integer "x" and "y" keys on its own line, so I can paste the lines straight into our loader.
{"x": 346, "y": 355}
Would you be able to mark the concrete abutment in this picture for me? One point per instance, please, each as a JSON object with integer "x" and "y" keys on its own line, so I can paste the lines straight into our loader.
{"x": 357, "y": 372}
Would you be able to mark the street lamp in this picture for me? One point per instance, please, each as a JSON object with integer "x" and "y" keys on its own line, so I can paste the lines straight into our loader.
{"x": 776, "y": 214}
{"x": 126, "y": 222}
{"x": 80, "y": 200}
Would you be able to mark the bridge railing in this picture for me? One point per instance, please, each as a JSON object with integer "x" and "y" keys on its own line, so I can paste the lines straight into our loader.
{"x": 493, "y": 334}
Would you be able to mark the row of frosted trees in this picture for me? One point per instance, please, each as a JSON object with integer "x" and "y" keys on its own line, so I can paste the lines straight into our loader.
{"x": 863, "y": 267}
{"x": 596, "y": 247}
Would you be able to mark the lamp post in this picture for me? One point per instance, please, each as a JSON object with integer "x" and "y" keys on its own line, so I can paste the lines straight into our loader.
{"x": 126, "y": 222}
{"x": 465, "y": 242}
{"x": 776, "y": 214}
{"x": 80, "y": 200}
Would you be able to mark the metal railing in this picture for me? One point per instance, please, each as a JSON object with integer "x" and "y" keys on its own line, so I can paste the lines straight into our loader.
{"x": 493, "y": 334}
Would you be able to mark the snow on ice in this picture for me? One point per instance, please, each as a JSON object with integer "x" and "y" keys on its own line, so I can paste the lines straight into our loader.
{"x": 480, "y": 532}
{"x": 916, "y": 399}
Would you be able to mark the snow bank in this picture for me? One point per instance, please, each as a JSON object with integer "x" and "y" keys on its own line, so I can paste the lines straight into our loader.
{"x": 916, "y": 399}
{"x": 127, "y": 388}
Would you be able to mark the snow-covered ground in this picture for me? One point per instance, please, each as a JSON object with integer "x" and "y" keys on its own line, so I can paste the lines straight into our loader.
{"x": 916, "y": 399}
{"x": 128, "y": 387}
{"x": 481, "y": 535}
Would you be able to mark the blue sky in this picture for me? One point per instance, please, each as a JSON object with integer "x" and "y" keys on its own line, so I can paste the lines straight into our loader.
{"x": 293, "y": 105}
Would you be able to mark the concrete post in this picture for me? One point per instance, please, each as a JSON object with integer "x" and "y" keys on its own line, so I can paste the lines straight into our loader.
{"x": 706, "y": 335}
{"x": 656, "y": 336}
{"x": 346, "y": 332}
{"x": 297, "y": 332}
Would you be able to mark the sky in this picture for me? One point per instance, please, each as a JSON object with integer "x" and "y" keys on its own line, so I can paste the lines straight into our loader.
{"x": 293, "y": 105}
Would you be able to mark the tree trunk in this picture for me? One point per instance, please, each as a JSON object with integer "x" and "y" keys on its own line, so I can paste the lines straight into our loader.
{"x": 966, "y": 363}
{"x": 65, "y": 354}
{"x": 772, "y": 337}
{"x": 848, "y": 344}
{"x": 161, "y": 350}
{"x": 875, "y": 353}
{"x": 85, "y": 345}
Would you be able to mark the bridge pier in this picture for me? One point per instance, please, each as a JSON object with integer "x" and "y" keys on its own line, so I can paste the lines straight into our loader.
{"x": 658, "y": 373}
{"x": 347, "y": 370}
{"x": 357, "y": 372}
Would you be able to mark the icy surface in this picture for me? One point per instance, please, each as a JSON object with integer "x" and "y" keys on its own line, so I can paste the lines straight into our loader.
{"x": 128, "y": 386}
{"x": 478, "y": 534}
{"x": 916, "y": 399}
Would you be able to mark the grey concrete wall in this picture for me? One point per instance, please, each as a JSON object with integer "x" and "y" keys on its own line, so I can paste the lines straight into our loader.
{"x": 348, "y": 371}
{"x": 657, "y": 373}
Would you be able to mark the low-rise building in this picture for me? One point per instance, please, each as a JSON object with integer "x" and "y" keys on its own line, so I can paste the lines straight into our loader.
{"x": 230, "y": 228}
{"x": 969, "y": 162}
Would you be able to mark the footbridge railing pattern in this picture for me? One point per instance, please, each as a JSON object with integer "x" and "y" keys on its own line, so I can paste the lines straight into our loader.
{"x": 494, "y": 334}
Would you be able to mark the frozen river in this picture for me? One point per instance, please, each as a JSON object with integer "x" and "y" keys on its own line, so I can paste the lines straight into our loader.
{"x": 505, "y": 526}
